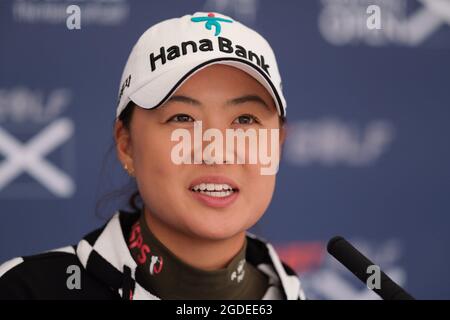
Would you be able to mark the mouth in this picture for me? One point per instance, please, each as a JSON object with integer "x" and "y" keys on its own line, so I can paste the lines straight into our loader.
{"x": 217, "y": 190}
{"x": 214, "y": 191}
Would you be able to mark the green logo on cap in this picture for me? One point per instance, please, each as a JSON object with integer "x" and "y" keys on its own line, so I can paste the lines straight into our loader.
{"x": 211, "y": 21}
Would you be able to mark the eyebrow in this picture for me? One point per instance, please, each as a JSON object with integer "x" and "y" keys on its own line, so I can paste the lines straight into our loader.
{"x": 235, "y": 101}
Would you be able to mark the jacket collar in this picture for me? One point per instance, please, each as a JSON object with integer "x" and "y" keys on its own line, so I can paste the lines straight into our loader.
{"x": 105, "y": 254}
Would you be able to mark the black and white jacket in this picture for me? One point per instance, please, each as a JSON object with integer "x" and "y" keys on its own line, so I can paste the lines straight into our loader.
{"x": 107, "y": 269}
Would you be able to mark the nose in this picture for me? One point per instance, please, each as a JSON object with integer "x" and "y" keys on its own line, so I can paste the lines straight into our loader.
{"x": 211, "y": 135}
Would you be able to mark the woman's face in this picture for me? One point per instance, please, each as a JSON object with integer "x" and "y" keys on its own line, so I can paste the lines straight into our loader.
{"x": 222, "y": 97}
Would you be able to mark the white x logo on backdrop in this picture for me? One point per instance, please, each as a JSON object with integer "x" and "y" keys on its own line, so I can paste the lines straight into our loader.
{"x": 29, "y": 157}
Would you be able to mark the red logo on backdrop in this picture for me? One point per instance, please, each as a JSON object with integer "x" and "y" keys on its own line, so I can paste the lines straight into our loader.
{"x": 137, "y": 241}
{"x": 302, "y": 256}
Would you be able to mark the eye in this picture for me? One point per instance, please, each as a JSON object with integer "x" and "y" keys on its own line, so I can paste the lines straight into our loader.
{"x": 246, "y": 119}
{"x": 181, "y": 118}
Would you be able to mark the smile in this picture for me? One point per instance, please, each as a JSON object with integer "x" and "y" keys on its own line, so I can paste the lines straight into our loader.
{"x": 214, "y": 190}
{"x": 217, "y": 192}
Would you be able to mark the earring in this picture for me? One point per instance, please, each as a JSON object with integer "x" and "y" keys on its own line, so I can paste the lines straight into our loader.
{"x": 129, "y": 171}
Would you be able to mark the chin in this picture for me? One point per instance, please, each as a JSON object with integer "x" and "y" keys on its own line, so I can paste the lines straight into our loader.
{"x": 216, "y": 231}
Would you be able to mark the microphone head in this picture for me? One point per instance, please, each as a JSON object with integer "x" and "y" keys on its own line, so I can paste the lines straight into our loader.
{"x": 332, "y": 243}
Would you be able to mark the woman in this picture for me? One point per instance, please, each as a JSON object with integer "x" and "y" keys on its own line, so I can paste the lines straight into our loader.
{"x": 192, "y": 88}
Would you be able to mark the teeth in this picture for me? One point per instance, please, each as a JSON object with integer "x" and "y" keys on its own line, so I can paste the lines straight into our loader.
{"x": 212, "y": 187}
{"x": 218, "y": 194}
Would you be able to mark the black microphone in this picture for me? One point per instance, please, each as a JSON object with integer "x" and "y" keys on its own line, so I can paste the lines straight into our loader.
{"x": 357, "y": 263}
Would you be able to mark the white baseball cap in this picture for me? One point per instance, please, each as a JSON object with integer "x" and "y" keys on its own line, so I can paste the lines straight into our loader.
{"x": 168, "y": 53}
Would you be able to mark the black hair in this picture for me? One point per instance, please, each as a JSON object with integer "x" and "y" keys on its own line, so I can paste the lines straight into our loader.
{"x": 126, "y": 116}
{"x": 129, "y": 191}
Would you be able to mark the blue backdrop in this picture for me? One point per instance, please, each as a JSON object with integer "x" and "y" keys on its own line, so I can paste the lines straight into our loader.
{"x": 367, "y": 154}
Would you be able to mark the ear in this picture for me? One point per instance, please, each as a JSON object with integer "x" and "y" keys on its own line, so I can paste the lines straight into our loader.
{"x": 124, "y": 148}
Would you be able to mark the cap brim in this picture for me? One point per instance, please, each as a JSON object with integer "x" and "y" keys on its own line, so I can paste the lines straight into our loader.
{"x": 159, "y": 90}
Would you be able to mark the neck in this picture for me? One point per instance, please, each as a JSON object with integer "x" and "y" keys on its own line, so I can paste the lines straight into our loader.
{"x": 205, "y": 254}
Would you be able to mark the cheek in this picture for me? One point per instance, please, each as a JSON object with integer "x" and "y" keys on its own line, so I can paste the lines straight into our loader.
{"x": 151, "y": 155}
{"x": 258, "y": 191}
{"x": 156, "y": 174}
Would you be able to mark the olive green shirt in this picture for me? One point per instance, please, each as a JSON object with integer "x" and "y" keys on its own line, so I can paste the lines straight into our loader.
{"x": 168, "y": 277}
